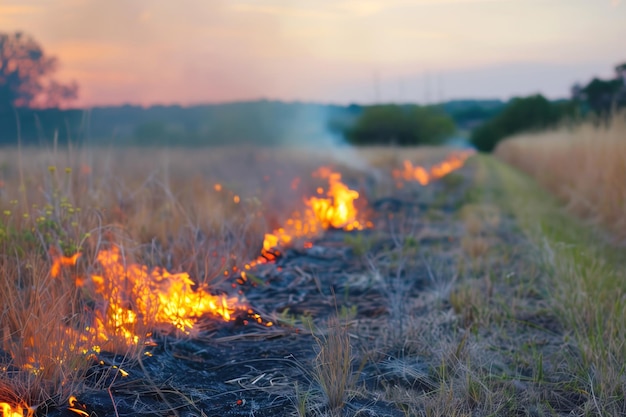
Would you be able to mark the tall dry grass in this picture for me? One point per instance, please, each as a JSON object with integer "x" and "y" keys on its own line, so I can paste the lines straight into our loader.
{"x": 162, "y": 207}
{"x": 199, "y": 211}
{"x": 584, "y": 166}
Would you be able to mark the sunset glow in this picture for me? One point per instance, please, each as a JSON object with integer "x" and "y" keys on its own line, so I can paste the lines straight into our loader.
{"x": 147, "y": 52}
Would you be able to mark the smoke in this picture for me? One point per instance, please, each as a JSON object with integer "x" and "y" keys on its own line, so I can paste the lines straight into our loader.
{"x": 318, "y": 130}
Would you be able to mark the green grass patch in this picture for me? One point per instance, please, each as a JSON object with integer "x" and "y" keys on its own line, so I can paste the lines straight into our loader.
{"x": 585, "y": 280}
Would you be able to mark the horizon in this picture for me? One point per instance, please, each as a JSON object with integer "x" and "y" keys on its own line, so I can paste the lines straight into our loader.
{"x": 328, "y": 52}
{"x": 287, "y": 102}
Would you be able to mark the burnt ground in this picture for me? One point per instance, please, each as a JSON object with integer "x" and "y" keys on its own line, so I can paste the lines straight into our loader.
{"x": 415, "y": 295}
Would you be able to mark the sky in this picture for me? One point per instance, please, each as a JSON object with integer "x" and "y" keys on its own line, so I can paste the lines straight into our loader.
{"x": 333, "y": 51}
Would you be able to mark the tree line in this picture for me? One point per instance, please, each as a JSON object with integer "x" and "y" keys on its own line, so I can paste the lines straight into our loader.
{"x": 30, "y": 98}
{"x": 598, "y": 99}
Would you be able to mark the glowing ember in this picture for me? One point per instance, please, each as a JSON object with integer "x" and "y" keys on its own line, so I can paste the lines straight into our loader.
{"x": 424, "y": 176}
{"x": 335, "y": 210}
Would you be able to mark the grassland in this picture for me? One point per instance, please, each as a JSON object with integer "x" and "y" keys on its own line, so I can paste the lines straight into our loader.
{"x": 584, "y": 166}
{"x": 583, "y": 286}
{"x": 474, "y": 295}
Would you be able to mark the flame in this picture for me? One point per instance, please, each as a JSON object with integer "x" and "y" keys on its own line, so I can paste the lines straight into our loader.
{"x": 424, "y": 176}
{"x": 77, "y": 407}
{"x": 7, "y": 410}
{"x": 59, "y": 261}
{"x": 134, "y": 292}
{"x": 132, "y": 297}
{"x": 334, "y": 210}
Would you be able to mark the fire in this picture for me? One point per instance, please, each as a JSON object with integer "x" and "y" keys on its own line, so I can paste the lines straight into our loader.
{"x": 133, "y": 297}
{"x": 337, "y": 210}
{"x": 59, "y": 261}
{"x": 7, "y": 410}
{"x": 136, "y": 292}
{"x": 331, "y": 209}
{"x": 424, "y": 176}
{"x": 130, "y": 298}
{"x": 76, "y": 407}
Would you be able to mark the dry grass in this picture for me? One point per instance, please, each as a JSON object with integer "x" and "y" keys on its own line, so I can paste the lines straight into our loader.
{"x": 586, "y": 287}
{"x": 464, "y": 330}
{"x": 333, "y": 367}
{"x": 388, "y": 156}
{"x": 159, "y": 206}
{"x": 584, "y": 166}
{"x": 162, "y": 208}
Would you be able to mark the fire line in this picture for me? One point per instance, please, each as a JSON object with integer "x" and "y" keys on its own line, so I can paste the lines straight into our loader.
{"x": 333, "y": 208}
{"x": 424, "y": 176}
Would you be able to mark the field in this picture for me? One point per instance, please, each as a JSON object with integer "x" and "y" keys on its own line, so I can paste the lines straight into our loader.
{"x": 584, "y": 166}
{"x": 259, "y": 282}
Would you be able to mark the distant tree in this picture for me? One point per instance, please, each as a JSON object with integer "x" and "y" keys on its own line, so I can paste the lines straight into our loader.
{"x": 400, "y": 125}
{"x": 602, "y": 96}
{"x": 521, "y": 114}
{"x": 26, "y": 75}
{"x": 620, "y": 71}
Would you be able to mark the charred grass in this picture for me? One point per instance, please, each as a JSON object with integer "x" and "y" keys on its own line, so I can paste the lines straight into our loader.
{"x": 448, "y": 306}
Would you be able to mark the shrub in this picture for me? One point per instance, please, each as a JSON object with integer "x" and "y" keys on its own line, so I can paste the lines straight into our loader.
{"x": 400, "y": 125}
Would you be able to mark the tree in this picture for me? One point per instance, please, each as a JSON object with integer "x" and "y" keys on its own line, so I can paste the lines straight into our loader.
{"x": 620, "y": 71}
{"x": 26, "y": 75}
{"x": 602, "y": 95}
{"x": 520, "y": 114}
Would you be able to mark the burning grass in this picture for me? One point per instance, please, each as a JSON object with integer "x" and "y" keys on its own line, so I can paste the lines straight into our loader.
{"x": 424, "y": 175}
{"x": 583, "y": 166}
{"x": 103, "y": 255}
{"x": 424, "y": 300}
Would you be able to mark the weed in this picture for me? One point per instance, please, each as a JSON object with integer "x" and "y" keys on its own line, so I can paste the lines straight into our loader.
{"x": 359, "y": 243}
{"x": 333, "y": 367}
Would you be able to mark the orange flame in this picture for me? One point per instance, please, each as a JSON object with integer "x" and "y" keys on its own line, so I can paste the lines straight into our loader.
{"x": 133, "y": 291}
{"x": 7, "y": 410}
{"x": 424, "y": 176}
{"x": 335, "y": 210}
{"x": 133, "y": 297}
{"x": 59, "y": 261}
{"x": 76, "y": 407}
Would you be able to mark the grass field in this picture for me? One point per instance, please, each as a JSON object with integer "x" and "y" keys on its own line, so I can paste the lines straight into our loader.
{"x": 470, "y": 293}
{"x": 584, "y": 166}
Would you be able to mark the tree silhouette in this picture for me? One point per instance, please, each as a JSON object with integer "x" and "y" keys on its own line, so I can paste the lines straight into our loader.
{"x": 25, "y": 75}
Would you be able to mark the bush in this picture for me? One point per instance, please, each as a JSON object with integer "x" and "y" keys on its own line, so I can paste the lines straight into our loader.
{"x": 400, "y": 125}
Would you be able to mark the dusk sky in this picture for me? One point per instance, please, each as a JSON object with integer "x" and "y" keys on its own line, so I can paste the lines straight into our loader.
{"x": 340, "y": 51}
